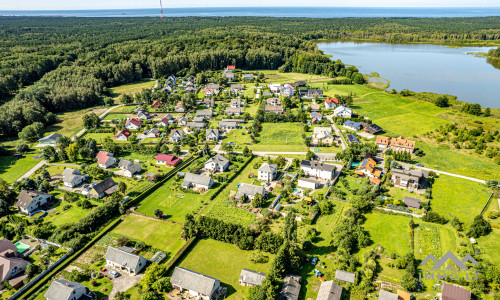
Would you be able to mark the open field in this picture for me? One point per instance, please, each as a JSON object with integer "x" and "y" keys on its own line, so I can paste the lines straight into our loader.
{"x": 285, "y": 137}
{"x": 71, "y": 122}
{"x": 132, "y": 88}
{"x": 433, "y": 238}
{"x": 11, "y": 169}
{"x": 237, "y": 136}
{"x": 452, "y": 196}
{"x": 225, "y": 262}
{"x": 389, "y": 231}
{"x": 60, "y": 217}
{"x": 489, "y": 246}
{"x": 157, "y": 234}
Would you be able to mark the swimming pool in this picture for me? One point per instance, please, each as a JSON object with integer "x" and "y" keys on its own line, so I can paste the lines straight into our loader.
{"x": 21, "y": 247}
{"x": 355, "y": 164}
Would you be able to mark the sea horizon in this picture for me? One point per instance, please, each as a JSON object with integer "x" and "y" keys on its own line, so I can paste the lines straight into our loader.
{"x": 269, "y": 11}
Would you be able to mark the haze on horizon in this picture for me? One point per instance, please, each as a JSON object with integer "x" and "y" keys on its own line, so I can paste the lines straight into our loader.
{"x": 131, "y": 4}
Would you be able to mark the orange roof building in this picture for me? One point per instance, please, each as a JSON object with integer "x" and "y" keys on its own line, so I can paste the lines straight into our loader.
{"x": 395, "y": 144}
{"x": 367, "y": 169}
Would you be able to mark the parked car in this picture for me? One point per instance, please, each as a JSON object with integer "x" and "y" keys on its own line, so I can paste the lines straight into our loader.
{"x": 420, "y": 165}
{"x": 314, "y": 261}
{"x": 114, "y": 273}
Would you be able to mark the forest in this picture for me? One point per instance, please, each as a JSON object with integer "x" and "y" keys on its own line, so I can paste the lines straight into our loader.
{"x": 52, "y": 65}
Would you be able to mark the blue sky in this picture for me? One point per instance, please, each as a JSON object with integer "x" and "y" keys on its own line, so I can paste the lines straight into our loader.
{"x": 122, "y": 4}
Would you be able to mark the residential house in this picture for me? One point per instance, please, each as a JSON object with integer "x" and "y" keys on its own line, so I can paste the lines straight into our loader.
{"x": 11, "y": 266}
{"x": 152, "y": 133}
{"x": 267, "y": 94}
{"x": 104, "y": 188}
{"x": 342, "y": 111}
{"x": 196, "y": 125}
{"x": 232, "y": 111}
{"x": 133, "y": 124}
{"x": 212, "y": 135}
{"x": 412, "y": 202}
{"x": 167, "y": 160}
{"x": 182, "y": 121}
{"x": 322, "y": 135}
{"x": 124, "y": 164}
{"x": 247, "y": 76}
{"x": 105, "y": 159}
{"x": 299, "y": 83}
{"x": 176, "y": 135}
{"x": 197, "y": 181}
{"x": 287, "y": 90}
{"x": 217, "y": 163}
{"x": 236, "y": 89}
{"x": 49, "y": 140}
{"x": 29, "y": 201}
{"x": 231, "y": 67}
{"x": 453, "y": 292}
{"x": 229, "y": 74}
{"x": 273, "y": 101}
{"x": 385, "y": 295}
{"x": 5, "y": 245}
{"x": 316, "y": 117}
{"x": 179, "y": 107}
{"x": 368, "y": 169}
{"x": 132, "y": 170}
{"x": 236, "y": 103}
{"x": 72, "y": 177}
{"x": 205, "y": 113}
{"x": 345, "y": 276}
{"x": 191, "y": 89}
{"x": 171, "y": 79}
{"x": 331, "y": 103}
{"x": 395, "y": 144}
{"x": 352, "y": 125}
{"x": 61, "y": 289}
{"x": 315, "y": 107}
{"x": 275, "y": 88}
{"x": 228, "y": 124}
{"x": 168, "y": 119}
{"x": 402, "y": 295}
{"x": 308, "y": 183}
{"x": 157, "y": 104}
{"x": 198, "y": 120}
{"x": 143, "y": 114}
{"x": 268, "y": 172}
{"x": 274, "y": 109}
{"x": 122, "y": 135}
{"x": 209, "y": 102}
{"x": 373, "y": 129}
{"x": 310, "y": 94}
{"x": 251, "y": 278}
{"x": 329, "y": 290}
{"x": 212, "y": 89}
{"x": 291, "y": 288}
{"x": 249, "y": 191}
{"x": 196, "y": 284}
{"x": 317, "y": 169}
{"x": 125, "y": 261}
{"x": 409, "y": 179}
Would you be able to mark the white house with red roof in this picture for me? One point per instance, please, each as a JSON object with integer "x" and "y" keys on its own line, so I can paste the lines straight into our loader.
{"x": 105, "y": 159}
{"x": 167, "y": 160}
{"x": 122, "y": 135}
{"x": 133, "y": 124}
{"x": 331, "y": 103}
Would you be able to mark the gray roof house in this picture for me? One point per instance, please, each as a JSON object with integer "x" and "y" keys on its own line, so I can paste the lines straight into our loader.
{"x": 105, "y": 187}
{"x": 212, "y": 135}
{"x": 197, "y": 181}
{"x": 196, "y": 125}
{"x": 267, "y": 172}
{"x": 291, "y": 288}
{"x": 218, "y": 163}
{"x": 72, "y": 177}
{"x": 29, "y": 201}
{"x": 385, "y": 295}
{"x": 131, "y": 170}
{"x": 345, "y": 276}
{"x": 233, "y": 111}
{"x": 124, "y": 260}
{"x": 196, "y": 283}
{"x": 49, "y": 140}
{"x": 251, "y": 278}
{"x": 329, "y": 290}
{"x": 412, "y": 202}
{"x": 205, "y": 113}
{"x": 124, "y": 164}
{"x": 250, "y": 190}
{"x": 62, "y": 289}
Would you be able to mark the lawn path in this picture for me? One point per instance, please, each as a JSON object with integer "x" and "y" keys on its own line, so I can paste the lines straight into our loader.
{"x": 405, "y": 165}
{"x": 102, "y": 116}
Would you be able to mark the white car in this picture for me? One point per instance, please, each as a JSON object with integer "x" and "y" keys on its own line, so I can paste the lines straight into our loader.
{"x": 114, "y": 273}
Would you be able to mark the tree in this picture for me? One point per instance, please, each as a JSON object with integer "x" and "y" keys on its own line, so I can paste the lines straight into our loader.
{"x": 176, "y": 150}
{"x": 310, "y": 155}
{"x": 91, "y": 121}
{"x": 487, "y": 112}
{"x": 126, "y": 99}
{"x": 442, "y": 101}
{"x": 258, "y": 201}
{"x": 32, "y": 132}
{"x": 72, "y": 152}
{"x": 122, "y": 187}
{"x": 247, "y": 152}
{"x": 158, "y": 213}
{"x": 408, "y": 281}
{"x": 22, "y": 147}
{"x": 49, "y": 153}
{"x": 479, "y": 227}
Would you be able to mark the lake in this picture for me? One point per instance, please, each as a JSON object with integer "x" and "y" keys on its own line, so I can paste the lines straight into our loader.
{"x": 309, "y": 12}
{"x": 425, "y": 68}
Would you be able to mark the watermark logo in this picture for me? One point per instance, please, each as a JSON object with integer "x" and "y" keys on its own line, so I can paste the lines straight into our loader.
{"x": 449, "y": 272}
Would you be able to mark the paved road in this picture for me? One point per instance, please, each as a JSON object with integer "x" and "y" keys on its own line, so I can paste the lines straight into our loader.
{"x": 102, "y": 116}
{"x": 337, "y": 132}
{"x": 442, "y": 172}
{"x": 30, "y": 172}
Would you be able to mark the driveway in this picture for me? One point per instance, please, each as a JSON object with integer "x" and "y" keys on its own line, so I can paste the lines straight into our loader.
{"x": 123, "y": 283}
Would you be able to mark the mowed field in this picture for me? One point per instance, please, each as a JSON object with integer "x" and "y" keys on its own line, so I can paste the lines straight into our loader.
{"x": 280, "y": 137}
{"x": 452, "y": 196}
{"x": 388, "y": 231}
{"x": 157, "y": 234}
{"x": 12, "y": 169}
{"x": 224, "y": 262}
{"x": 132, "y": 88}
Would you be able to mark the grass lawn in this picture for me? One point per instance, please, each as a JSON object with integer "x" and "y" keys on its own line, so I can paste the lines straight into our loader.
{"x": 389, "y": 231}
{"x": 452, "y": 196}
{"x": 99, "y": 137}
{"x": 118, "y": 116}
{"x": 276, "y": 137}
{"x": 353, "y": 182}
{"x": 71, "y": 122}
{"x": 59, "y": 217}
{"x": 157, "y": 234}
{"x": 489, "y": 246}
{"x": 237, "y": 136}
{"x": 132, "y": 88}
{"x": 11, "y": 169}
{"x": 225, "y": 262}
{"x": 396, "y": 193}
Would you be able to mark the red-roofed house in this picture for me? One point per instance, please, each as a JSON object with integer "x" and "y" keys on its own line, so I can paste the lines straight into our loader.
{"x": 331, "y": 103}
{"x": 167, "y": 160}
{"x": 105, "y": 159}
{"x": 231, "y": 67}
{"x": 133, "y": 124}
{"x": 157, "y": 104}
{"x": 122, "y": 135}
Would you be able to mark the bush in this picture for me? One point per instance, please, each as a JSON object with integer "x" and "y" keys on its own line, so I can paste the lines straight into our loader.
{"x": 66, "y": 207}
{"x": 479, "y": 227}
{"x": 434, "y": 217}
